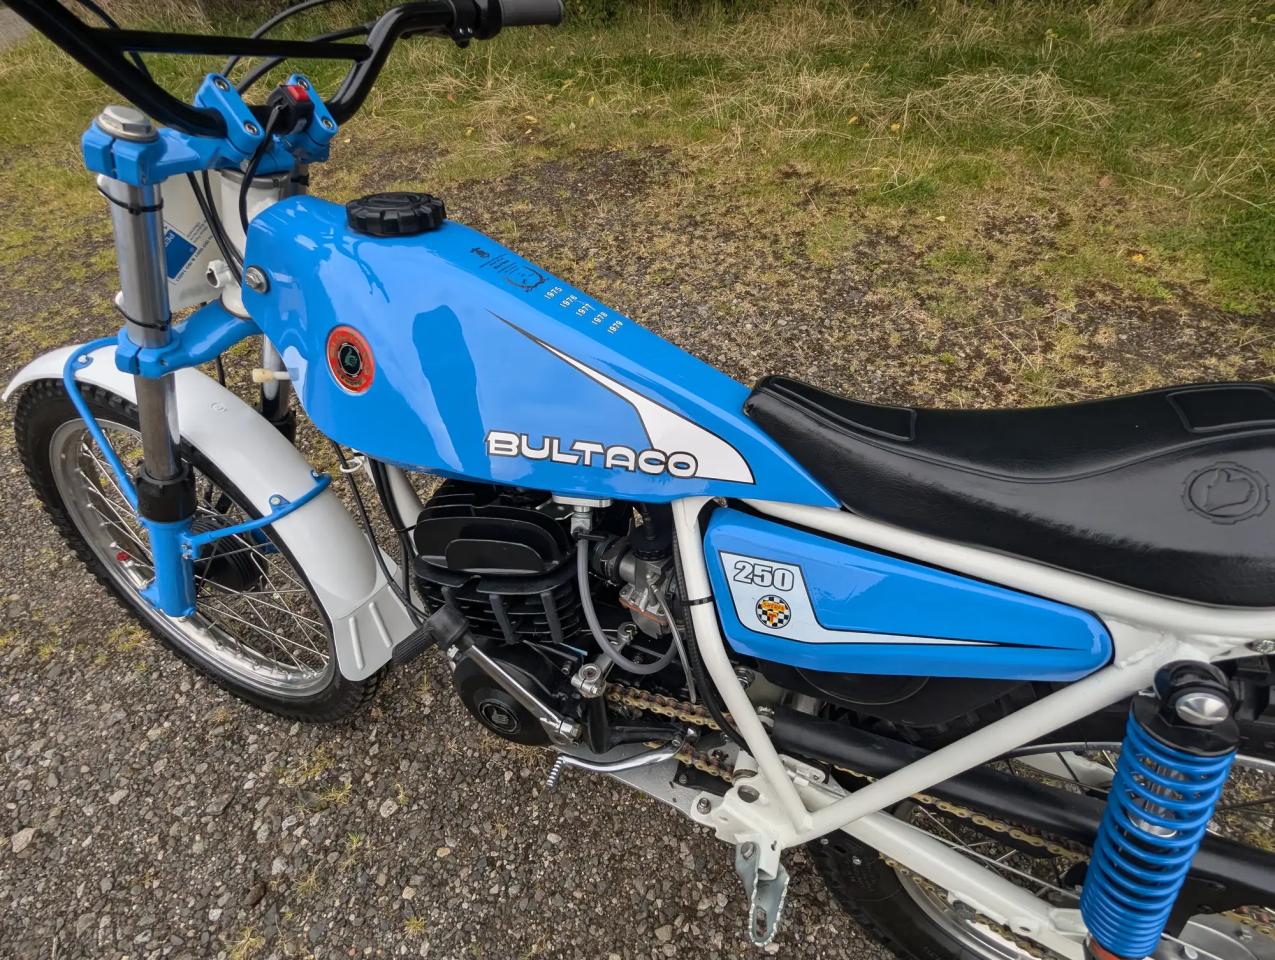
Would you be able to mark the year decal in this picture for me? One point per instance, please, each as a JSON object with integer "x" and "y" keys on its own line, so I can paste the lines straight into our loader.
{"x": 764, "y": 575}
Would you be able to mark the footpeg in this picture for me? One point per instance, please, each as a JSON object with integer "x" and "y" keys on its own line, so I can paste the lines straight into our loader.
{"x": 441, "y": 629}
{"x": 766, "y": 893}
{"x": 413, "y": 645}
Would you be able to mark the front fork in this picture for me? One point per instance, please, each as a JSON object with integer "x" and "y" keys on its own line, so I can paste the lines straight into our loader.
{"x": 164, "y": 482}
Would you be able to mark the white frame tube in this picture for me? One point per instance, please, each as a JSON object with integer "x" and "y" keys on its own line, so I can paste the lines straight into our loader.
{"x": 1156, "y": 633}
{"x": 1071, "y": 703}
{"x": 1107, "y": 600}
{"x": 717, "y": 663}
{"x": 986, "y": 891}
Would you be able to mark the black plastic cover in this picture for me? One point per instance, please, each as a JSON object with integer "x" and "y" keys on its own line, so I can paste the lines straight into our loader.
{"x": 399, "y": 214}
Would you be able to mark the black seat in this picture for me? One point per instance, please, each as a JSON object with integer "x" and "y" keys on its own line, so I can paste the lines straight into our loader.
{"x": 1165, "y": 491}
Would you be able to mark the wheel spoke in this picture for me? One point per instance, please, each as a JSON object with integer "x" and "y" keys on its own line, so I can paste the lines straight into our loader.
{"x": 271, "y": 635}
{"x": 1076, "y": 766}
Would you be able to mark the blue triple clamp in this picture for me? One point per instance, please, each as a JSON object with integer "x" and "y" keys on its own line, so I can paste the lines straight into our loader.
{"x": 766, "y": 891}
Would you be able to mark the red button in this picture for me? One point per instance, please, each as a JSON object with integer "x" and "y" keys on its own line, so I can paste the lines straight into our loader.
{"x": 298, "y": 93}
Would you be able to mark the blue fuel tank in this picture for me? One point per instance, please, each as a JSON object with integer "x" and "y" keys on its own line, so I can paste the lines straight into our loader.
{"x": 444, "y": 351}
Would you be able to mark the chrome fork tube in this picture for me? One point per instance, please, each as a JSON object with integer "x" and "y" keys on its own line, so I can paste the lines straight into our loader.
{"x": 165, "y": 484}
{"x": 143, "y": 296}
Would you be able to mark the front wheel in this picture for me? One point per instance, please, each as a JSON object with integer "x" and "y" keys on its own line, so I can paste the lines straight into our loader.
{"x": 258, "y": 629}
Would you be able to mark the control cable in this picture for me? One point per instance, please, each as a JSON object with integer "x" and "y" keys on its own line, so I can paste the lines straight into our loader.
{"x": 591, "y": 618}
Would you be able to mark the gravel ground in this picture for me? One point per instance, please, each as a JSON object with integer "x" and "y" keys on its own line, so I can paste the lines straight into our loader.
{"x": 148, "y": 815}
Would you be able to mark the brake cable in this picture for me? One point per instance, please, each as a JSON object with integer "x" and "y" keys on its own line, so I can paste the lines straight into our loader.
{"x": 269, "y": 25}
{"x": 261, "y": 69}
{"x": 106, "y": 18}
{"x": 214, "y": 223}
{"x": 251, "y": 170}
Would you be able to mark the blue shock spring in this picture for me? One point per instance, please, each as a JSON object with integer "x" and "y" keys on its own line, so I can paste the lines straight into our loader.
{"x": 1159, "y": 807}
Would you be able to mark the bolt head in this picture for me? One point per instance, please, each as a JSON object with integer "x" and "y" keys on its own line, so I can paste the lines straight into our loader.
{"x": 251, "y": 128}
{"x": 1202, "y": 708}
{"x": 255, "y": 279}
{"x": 328, "y": 123}
{"x": 747, "y": 850}
{"x": 702, "y": 805}
{"x": 1264, "y": 647}
{"x": 748, "y": 794}
{"x": 220, "y": 83}
{"x": 856, "y": 860}
{"x": 126, "y": 123}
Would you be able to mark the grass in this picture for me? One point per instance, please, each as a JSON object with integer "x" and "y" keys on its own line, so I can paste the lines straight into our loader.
{"x": 307, "y": 769}
{"x": 415, "y": 927}
{"x": 1061, "y": 147}
{"x": 246, "y": 946}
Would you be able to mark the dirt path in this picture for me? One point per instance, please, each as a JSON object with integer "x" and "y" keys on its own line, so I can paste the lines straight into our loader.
{"x": 12, "y": 27}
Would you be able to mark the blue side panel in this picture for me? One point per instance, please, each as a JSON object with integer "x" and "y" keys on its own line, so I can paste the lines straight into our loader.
{"x": 792, "y": 597}
{"x": 486, "y": 366}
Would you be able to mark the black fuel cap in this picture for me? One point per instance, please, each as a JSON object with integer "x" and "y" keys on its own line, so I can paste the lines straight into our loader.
{"x": 399, "y": 214}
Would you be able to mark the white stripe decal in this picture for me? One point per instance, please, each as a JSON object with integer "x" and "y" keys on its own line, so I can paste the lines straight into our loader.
{"x": 799, "y": 623}
{"x": 671, "y": 432}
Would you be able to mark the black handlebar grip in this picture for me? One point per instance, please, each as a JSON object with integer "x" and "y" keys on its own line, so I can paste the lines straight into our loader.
{"x": 531, "y": 13}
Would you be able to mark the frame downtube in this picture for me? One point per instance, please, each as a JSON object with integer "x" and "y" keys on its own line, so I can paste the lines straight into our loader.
{"x": 690, "y": 543}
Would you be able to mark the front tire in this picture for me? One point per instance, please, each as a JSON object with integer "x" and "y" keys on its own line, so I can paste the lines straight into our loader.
{"x": 259, "y": 630}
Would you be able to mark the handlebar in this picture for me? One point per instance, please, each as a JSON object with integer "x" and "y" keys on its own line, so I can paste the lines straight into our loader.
{"x": 102, "y": 51}
{"x": 531, "y": 13}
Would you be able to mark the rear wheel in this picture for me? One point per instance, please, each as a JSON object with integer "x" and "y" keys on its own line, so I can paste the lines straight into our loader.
{"x": 917, "y": 919}
{"x": 258, "y": 629}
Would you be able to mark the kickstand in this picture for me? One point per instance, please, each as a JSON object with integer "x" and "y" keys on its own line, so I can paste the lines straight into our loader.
{"x": 765, "y": 893}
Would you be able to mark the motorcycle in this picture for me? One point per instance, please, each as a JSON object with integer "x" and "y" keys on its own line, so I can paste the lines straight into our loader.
{"x": 993, "y": 669}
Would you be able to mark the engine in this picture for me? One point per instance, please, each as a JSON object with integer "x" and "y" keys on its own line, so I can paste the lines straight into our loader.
{"x": 506, "y": 559}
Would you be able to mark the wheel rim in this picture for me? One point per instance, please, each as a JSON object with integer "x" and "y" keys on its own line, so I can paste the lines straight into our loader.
{"x": 1205, "y": 937}
{"x": 256, "y": 622}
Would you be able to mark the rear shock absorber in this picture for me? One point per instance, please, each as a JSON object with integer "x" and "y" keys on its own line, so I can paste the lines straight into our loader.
{"x": 1174, "y": 762}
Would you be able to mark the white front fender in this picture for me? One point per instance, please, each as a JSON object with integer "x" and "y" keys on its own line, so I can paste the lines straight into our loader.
{"x": 367, "y": 617}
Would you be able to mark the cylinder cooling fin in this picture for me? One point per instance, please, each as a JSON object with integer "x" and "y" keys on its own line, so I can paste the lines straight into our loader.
{"x": 504, "y": 558}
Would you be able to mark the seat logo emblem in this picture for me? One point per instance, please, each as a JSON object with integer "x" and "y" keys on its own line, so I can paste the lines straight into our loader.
{"x": 773, "y": 612}
{"x": 1226, "y": 492}
{"x": 350, "y": 359}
